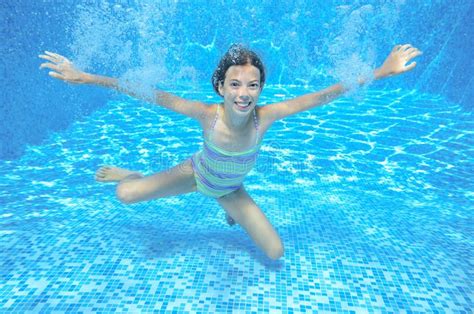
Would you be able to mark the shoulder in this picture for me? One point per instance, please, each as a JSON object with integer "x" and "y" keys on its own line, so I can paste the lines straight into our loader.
{"x": 207, "y": 115}
{"x": 265, "y": 117}
{"x": 277, "y": 111}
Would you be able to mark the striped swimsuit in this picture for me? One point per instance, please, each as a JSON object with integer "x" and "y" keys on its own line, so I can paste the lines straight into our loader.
{"x": 219, "y": 172}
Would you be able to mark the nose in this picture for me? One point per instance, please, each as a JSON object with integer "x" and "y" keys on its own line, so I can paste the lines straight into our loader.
{"x": 243, "y": 95}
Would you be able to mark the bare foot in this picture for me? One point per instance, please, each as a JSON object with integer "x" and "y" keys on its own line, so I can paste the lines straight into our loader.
{"x": 113, "y": 174}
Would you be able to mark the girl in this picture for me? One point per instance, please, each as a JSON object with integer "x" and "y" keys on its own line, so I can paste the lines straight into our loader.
{"x": 232, "y": 131}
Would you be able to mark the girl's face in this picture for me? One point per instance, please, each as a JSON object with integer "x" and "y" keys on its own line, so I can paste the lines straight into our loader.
{"x": 241, "y": 88}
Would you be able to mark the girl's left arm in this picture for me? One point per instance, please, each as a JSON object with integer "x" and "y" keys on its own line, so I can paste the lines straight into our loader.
{"x": 394, "y": 64}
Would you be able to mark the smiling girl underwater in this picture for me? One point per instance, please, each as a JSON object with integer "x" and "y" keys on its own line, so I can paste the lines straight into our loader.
{"x": 232, "y": 131}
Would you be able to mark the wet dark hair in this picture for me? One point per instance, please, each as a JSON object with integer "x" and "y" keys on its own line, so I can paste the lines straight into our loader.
{"x": 236, "y": 55}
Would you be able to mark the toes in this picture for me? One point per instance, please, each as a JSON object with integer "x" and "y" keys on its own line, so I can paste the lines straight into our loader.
{"x": 100, "y": 177}
{"x": 103, "y": 170}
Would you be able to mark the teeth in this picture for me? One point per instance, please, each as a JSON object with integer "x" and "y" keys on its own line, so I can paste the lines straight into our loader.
{"x": 243, "y": 105}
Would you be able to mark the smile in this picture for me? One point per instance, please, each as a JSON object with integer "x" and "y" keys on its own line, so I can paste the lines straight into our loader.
{"x": 242, "y": 106}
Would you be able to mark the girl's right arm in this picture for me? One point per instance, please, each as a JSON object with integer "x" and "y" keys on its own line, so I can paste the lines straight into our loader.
{"x": 66, "y": 71}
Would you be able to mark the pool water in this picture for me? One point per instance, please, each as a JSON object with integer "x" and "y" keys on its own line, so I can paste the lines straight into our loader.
{"x": 371, "y": 194}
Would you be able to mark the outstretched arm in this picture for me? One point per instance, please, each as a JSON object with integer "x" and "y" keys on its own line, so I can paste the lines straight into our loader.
{"x": 65, "y": 70}
{"x": 394, "y": 64}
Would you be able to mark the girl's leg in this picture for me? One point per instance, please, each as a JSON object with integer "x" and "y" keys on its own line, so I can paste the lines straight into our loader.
{"x": 133, "y": 187}
{"x": 116, "y": 174}
{"x": 242, "y": 208}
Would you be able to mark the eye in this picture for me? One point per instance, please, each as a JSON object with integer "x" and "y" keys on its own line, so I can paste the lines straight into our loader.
{"x": 254, "y": 85}
{"x": 234, "y": 84}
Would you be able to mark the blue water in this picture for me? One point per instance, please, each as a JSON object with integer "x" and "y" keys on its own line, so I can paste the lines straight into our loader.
{"x": 373, "y": 200}
{"x": 372, "y": 194}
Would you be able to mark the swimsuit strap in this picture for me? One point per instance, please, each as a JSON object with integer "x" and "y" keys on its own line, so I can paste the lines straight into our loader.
{"x": 215, "y": 118}
{"x": 257, "y": 126}
{"x": 214, "y": 122}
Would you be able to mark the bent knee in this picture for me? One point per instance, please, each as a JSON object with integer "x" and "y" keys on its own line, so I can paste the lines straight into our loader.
{"x": 275, "y": 251}
{"x": 125, "y": 193}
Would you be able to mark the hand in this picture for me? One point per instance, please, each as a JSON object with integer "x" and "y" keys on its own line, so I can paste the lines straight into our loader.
{"x": 64, "y": 68}
{"x": 396, "y": 62}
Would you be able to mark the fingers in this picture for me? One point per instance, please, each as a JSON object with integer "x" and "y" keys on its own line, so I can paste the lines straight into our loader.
{"x": 410, "y": 66}
{"x": 407, "y": 52}
{"x": 54, "y": 57}
{"x": 56, "y": 75}
{"x": 57, "y": 63}
{"x": 405, "y": 47}
{"x": 51, "y": 66}
{"x": 399, "y": 48}
{"x": 414, "y": 53}
{"x": 49, "y": 58}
